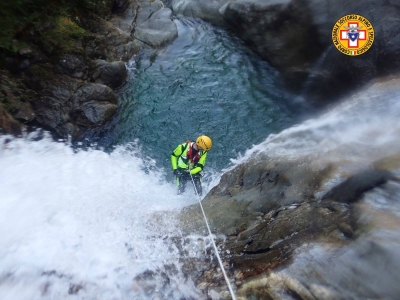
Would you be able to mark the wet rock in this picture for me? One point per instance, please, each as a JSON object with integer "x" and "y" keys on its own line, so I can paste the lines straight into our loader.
{"x": 352, "y": 188}
{"x": 95, "y": 46}
{"x": 108, "y": 40}
{"x": 53, "y": 106}
{"x": 295, "y": 37}
{"x": 146, "y": 9}
{"x": 264, "y": 186}
{"x": 120, "y": 6}
{"x": 274, "y": 27}
{"x": 93, "y": 105}
{"x": 111, "y": 74}
{"x": 389, "y": 163}
{"x": 72, "y": 65}
{"x": 8, "y": 125}
{"x": 25, "y": 113}
{"x": 158, "y": 30}
{"x": 74, "y": 288}
{"x": 69, "y": 105}
{"x": 206, "y": 10}
{"x": 275, "y": 239}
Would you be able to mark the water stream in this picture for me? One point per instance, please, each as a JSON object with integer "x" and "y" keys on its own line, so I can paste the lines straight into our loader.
{"x": 83, "y": 222}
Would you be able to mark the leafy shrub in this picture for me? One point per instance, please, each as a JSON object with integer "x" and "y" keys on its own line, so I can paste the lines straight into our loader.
{"x": 62, "y": 35}
{"x": 19, "y": 16}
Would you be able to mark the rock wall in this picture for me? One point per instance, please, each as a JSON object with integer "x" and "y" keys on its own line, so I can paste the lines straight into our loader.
{"x": 295, "y": 37}
{"x": 73, "y": 91}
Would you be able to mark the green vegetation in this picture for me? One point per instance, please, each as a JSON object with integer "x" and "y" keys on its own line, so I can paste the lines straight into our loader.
{"x": 62, "y": 35}
{"x": 48, "y": 22}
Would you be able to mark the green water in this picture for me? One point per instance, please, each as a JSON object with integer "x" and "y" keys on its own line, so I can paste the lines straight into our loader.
{"x": 205, "y": 82}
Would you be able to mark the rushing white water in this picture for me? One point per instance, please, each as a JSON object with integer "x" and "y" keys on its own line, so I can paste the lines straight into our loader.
{"x": 83, "y": 223}
{"x": 363, "y": 128}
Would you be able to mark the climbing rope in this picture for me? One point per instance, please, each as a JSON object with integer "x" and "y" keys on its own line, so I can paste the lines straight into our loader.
{"x": 212, "y": 239}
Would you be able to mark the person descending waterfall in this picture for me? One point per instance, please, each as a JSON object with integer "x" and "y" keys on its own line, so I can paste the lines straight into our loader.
{"x": 188, "y": 160}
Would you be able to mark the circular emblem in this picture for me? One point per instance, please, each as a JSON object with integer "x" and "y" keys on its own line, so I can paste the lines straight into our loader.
{"x": 353, "y": 35}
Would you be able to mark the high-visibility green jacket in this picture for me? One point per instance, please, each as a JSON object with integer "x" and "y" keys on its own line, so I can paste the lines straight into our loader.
{"x": 181, "y": 158}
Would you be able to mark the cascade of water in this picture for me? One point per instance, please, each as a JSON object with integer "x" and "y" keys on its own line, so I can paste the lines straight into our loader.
{"x": 360, "y": 129}
{"x": 83, "y": 223}
{"x": 318, "y": 67}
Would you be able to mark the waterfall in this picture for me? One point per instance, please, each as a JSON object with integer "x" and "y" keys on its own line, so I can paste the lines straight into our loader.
{"x": 359, "y": 130}
{"x": 83, "y": 222}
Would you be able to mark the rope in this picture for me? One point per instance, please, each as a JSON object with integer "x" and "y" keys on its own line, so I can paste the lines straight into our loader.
{"x": 212, "y": 239}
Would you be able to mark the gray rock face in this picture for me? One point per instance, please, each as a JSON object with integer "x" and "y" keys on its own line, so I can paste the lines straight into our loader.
{"x": 111, "y": 74}
{"x": 146, "y": 9}
{"x": 69, "y": 105}
{"x": 295, "y": 37}
{"x": 158, "y": 30}
{"x": 120, "y": 6}
{"x": 82, "y": 96}
{"x": 52, "y": 108}
{"x": 73, "y": 91}
{"x": 8, "y": 125}
{"x": 106, "y": 41}
{"x": 206, "y": 10}
{"x": 93, "y": 105}
{"x": 280, "y": 31}
{"x": 72, "y": 65}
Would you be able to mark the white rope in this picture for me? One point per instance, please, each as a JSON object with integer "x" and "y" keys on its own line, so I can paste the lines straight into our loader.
{"x": 212, "y": 239}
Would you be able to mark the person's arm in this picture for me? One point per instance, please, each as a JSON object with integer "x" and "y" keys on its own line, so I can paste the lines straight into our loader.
{"x": 174, "y": 156}
{"x": 200, "y": 165}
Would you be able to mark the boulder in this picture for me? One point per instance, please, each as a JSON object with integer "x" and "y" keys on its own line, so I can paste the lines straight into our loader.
{"x": 92, "y": 105}
{"x": 146, "y": 9}
{"x": 105, "y": 41}
{"x": 8, "y": 125}
{"x": 53, "y": 106}
{"x": 158, "y": 30}
{"x": 111, "y": 74}
{"x": 72, "y": 65}
{"x": 205, "y": 10}
{"x": 120, "y": 6}
{"x": 25, "y": 113}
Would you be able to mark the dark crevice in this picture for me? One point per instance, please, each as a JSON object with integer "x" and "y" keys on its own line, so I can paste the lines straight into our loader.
{"x": 259, "y": 251}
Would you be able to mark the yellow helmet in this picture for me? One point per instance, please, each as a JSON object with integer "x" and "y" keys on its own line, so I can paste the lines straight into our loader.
{"x": 204, "y": 142}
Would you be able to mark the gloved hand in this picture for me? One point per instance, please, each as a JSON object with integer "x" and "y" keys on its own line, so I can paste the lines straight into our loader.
{"x": 176, "y": 172}
{"x": 198, "y": 174}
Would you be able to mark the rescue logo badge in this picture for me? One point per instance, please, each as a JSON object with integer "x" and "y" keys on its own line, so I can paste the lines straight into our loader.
{"x": 353, "y": 35}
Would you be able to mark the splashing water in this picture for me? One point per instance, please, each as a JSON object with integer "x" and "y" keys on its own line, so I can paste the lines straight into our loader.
{"x": 82, "y": 223}
{"x": 360, "y": 130}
